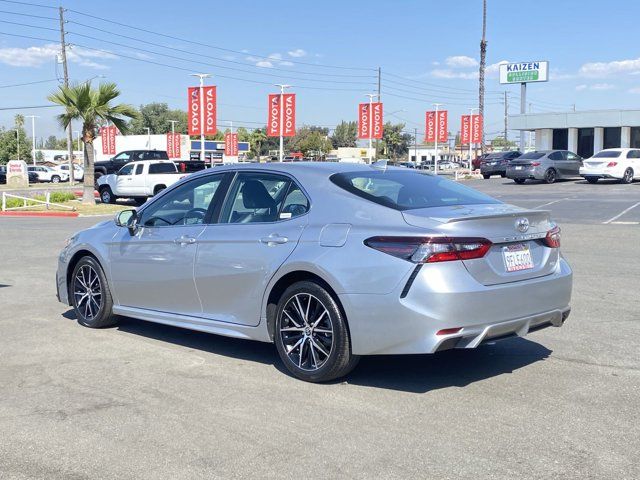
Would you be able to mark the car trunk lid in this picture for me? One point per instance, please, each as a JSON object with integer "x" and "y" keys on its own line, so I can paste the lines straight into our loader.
{"x": 514, "y": 255}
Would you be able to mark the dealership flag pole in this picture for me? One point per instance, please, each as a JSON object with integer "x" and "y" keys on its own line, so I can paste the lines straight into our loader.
{"x": 523, "y": 108}
{"x": 471, "y": 135}
{"x": 437, "y": 122}
{"x": 33, "y": 134}
{"x": 282, "y": 87}
{"x": 371, "y": 96}
{"x": 202, "y": 76}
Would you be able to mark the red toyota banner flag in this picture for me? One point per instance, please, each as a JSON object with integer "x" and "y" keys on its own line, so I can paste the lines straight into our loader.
{"x": 289, "y": 115}
{"x": 111, "y": 140}
{"x": 476, "y": 133}
{"x": 193, "y": 111}
{"x": 231, "y": 144}
{"x": 376, "y": 120}
{"x": 210, "y": 110}
{"x": 430, "y": 129}
{"x": 173, "y": 145}
{"x": 442, "y": 126}
{"x": 104, "y": 137}
{"x": 273, "y": 122}
{"x": 364, "y": 120}
{"x": 465, "y": 130}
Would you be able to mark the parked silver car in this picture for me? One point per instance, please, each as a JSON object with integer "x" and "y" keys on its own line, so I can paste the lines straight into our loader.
{"x": 546, "y": 165}
{"x": 329, "y": 261}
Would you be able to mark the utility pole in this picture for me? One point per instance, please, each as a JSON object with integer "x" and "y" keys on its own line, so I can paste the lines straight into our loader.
{"x": 435, "y": 158}
{"x": 202, "y": 76}
{"x": 63, "y": 54}
{"x": 281, "y": 120}
{"x": 379, "y": 99}
{"x": 173, "y": 125}
{"x": 506, "y": 113}
{"x": 33, "y": 134}
{"x": 415, "y": 145}
{"x": 483, "y": 59}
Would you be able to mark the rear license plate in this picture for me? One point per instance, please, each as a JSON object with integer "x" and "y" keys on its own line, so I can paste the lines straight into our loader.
{"x": 517, "y": 257}
{"x": 518, "y": 168}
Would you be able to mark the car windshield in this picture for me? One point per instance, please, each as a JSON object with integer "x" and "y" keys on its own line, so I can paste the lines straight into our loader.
{"x": 608, "y": 154}
{"x": 408, "y": 190}
{"x": 493, "y": 156}
{"x": 531, "y": 156}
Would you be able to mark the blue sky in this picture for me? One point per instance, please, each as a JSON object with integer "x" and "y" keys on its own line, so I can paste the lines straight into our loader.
{"x": 428, "y": 52}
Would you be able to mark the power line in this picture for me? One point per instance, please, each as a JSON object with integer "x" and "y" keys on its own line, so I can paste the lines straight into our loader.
{"x": 31, "y": 26}
{"x": 27, "y": 107}
{"x": 28, "y": 83}
{"x": 29, "y": 4}
{"x": 27, "y": 15}
{"x": 421, "y": 82}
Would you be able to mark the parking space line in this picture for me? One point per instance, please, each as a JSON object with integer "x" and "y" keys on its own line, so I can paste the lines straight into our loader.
{"x": 626, "y": 210}
{"x": 551, "y": 203}
{"x": 625, "y": 223}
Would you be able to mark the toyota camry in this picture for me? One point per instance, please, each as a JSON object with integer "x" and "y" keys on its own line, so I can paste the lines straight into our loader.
{"x": 328, "y": 261}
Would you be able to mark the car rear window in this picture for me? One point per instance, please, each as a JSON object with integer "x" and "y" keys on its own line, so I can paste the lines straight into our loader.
{"x": 408, "y": 190}
{"x": 494, "y": 156}
{"x": 156, "y": 168}
{"x": 608, "y": 154}
{"x": 531, "y": 156}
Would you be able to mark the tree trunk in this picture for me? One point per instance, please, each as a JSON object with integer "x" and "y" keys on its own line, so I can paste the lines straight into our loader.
{"x": 88, "y": 190}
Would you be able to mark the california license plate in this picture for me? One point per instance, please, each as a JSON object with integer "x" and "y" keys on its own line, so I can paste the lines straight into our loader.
{"x": 518, "y": 168}
{"x": 517, "y": 257}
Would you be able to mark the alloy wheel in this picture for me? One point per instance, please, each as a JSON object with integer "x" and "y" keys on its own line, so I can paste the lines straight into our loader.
{"x": 306, "y": 331}
{"x": 87, "y": 291}
{"x": 550, "y": 177}
{"x": 628, "y": 176}
{"x": 106, "y": 196}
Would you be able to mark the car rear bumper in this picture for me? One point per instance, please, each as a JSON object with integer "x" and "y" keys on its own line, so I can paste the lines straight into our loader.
{"x": 493, "y": 169}
{"x": 602, "y": 173}
{"x": 447, "y": 297}
{"x": 526, "y": 173}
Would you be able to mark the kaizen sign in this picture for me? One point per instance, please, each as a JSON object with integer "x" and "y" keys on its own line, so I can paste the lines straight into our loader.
{"x": 524, "y": 72}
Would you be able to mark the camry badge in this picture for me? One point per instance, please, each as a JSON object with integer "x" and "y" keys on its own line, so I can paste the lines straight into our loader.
{"x": 522, "y": 224}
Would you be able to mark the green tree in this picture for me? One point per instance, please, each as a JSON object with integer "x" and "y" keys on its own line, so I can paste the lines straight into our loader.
{"x": 345, "y": 135}
{"x": 310, "y": 138}
{"x": 395, "y": 142}
{"x": 9, "y": 145}
{"x": 499, "y": 143}
{"x": 256, "y": 139}
{"x": 157, "y": 118}
{"x": 91, "y": 106}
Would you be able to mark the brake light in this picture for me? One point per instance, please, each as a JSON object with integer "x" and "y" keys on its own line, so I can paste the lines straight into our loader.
{"x": 535, "y": 164}
{"x": 611, "y": 164}
{"x": 552, "y": 240}
{"x": 431, "y": 249}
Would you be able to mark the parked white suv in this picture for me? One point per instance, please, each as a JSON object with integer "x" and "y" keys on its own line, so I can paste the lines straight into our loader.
{"x": 46, "y": 174}
{"x": 620, "y": 163}
{"x": 78, "y": 171}
{"x": 138, "y": 180}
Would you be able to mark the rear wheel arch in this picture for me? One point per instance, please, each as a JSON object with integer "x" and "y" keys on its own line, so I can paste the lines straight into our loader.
{"x": 284, "y": 282}
{"x": 158, "y": 188}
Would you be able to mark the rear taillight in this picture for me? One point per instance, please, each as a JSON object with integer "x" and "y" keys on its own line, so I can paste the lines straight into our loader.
{"x": 552, "y": 239}
{"x": 431, "y": 249}
{"x": 612, "y": 164}
{"x": 535, "y": 164}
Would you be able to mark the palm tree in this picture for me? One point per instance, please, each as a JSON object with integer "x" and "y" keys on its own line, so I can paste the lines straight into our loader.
{"x": 483, "y": 56}
{"x": 91, "y": 106}
{"x": 19, "y": 121}
{"x": 257, "y": 137}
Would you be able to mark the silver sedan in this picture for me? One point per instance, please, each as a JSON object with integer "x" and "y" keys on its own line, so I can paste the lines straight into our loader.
{"x": 329, "y": 261}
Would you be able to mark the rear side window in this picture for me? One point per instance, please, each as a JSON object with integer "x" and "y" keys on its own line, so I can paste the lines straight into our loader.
{"x": 531, "y": 156}
{"x": 608, "y": 154}
{"x": 139, "y": 168}
{"x": 633, "y": 154}
{"x": 408, "y": 190}
{"x": 157, "y": 168}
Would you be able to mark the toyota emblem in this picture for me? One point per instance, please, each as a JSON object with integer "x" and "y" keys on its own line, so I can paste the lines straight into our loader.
{"x": 522, "y": 225}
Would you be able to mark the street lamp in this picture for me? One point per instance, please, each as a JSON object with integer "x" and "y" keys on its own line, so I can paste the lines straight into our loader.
{"x": 371, "y": 97}
{"x": 173, "y": 125}
{"x": 282, "y": 87}
{"x": 148, "y": 137}
{"x": 435, "y": 161}
{"x": 33, "y": 134}
{"x": 202, "y": 76}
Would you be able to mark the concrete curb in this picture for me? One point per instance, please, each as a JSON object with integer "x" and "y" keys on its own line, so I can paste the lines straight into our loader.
{"x": 39, "y": 214}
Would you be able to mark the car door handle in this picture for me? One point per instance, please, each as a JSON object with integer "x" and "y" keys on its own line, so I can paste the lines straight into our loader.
{"x": 274, "y": 239}
{"x": 185, "y": 240}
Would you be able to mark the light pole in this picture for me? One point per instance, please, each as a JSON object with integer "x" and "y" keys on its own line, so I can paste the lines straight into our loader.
{"x": 435, "y": 158}
{"x": 471, "y": 134}
{"x": 173, "y": 126}
{"x": 371, "y": 97}
{"x": 202, "y": 76}
{"x": 282, "y": 87}
{"x": 148, "y": 137}
{"x": 33, "y": 134}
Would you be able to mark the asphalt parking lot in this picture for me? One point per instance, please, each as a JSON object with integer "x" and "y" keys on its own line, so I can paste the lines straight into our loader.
{"x": 151, "y": 401}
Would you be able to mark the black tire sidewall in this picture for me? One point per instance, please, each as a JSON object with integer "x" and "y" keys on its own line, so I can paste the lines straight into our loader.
{"x": 341, "y": 343}
{"x": 624, "y": 177}
{"x": 550, "y": 176}
{"x": 109, "y": 192}
{"x": 105, "y": 307}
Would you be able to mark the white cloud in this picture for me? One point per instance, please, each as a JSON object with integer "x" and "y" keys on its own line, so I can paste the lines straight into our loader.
{"x": 286, "y": 63}
{"x": 269, "y": 62}
{"x": 604, "y": 69}
{"x": 635, "y": 90}
{"x": 37, "y": 56}
{"x": 494, "y": 69}
{"x": 264, "y": 64}
{"x": 461, "y": 61}
{"x": 435, "y": 64}
{"x": 276, "y": 56}
{"x": 595, "y": 86}
{"x": 297, "y": 53}
{"x": 579, "y": 88}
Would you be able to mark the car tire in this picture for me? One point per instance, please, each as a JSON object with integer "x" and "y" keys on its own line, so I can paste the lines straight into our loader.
{"x": 503, "y": 175}
{"x": 55, "y": 179}
{"x": 592, "y": 179}
{"x": 485, "y": 176}
{"x": 519, "y": 181}
{"x": 90, "y": 295}
{"x": 311, "y": 334}
{"x": 627, "y": 177}
{"x": 107, "y": 196}
{"x": 550, "y": 176}
{"x": 158, "y": 189}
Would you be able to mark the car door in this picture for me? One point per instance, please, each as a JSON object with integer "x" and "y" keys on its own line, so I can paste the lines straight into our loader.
{"x": 124, "y": 180}
{"x": 137, "y": 184}
{"x": 558, "y": 162}
{"x": 574, "y": 162}
{"x": 633, "y": 160}
{"x": 153, "y": 269}
{"x": 260, "y": 225}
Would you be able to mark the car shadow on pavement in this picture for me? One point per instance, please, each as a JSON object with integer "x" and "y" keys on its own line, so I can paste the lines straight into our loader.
{"x": 409, "y": 373}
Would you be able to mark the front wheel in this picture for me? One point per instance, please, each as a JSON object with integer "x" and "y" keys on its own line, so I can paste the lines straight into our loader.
{"x": 107, "y": 196}
{"x": 311, "y": 334}
{"x": 519, "y": 181}
{"x": 592, "y": 179}
{"x": 485, "y": 176}
{"x": 90, "y": 294}
{"x": 628, "y": 176}
{"x": 550, "y": 176}
{"x": 55, "y": 179}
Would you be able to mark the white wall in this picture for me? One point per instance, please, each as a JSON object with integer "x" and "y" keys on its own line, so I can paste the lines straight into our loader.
{"x": 141, "y": 142}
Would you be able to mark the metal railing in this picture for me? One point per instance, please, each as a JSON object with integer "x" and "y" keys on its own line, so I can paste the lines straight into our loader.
{"x": 26, "y": 200}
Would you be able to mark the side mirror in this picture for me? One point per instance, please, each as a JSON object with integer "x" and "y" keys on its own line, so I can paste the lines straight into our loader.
{"x": 128, "y": 219}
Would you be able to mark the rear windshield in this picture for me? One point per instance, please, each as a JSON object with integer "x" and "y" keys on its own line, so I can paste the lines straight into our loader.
{"x": 493, "y": 156}
{"x": 608, "y": 154}
{"x": 155, "y": 168}
{"x": 408, "y": 190}
{"x": 531, "y": 156}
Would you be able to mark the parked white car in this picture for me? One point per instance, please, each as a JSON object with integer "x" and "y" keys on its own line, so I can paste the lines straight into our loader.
{"x": 138, "y": 180}
{"x": 620, "y": 163}
{"x": 47, "y": 174}
{"x": 78, "y": 171}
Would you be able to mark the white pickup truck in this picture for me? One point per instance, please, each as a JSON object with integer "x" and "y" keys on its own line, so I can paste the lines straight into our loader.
{"x": 138, "y": 180}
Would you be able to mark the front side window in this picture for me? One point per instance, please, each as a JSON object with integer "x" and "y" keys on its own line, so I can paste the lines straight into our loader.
{"x": 188, "y": 204}
{"x": 408, "y": 190}
{"x": 260, "y": 197}
{"x": 572, "y": 156}
{"x": 139, "y": 168}
{"x": 126, "y": 170}
{"x": 123, "y": 157}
